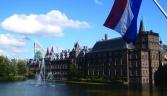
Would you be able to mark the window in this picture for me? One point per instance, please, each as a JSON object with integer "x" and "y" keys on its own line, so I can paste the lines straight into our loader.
{"x": 109, "y": 72}
{"x": 88, "y": 72}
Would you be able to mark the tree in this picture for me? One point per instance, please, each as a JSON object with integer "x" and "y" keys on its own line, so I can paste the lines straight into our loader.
{"x": 8, "y": 69}
{"x": 12, "y": 70}
{"x": 3, "y": 66}
{"x": 73, "y": 71}
{"x": 22, "y": 67}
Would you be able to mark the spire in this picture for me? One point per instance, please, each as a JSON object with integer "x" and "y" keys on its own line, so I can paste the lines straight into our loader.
{"x": 76, "y": 45}
{"x": 47, "y": 52}
{"x": 142, "y": 29}
{"x": 52, "y": 51}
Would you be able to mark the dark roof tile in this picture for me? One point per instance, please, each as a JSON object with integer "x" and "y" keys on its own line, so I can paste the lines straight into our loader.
{"x": 111, "y": 44}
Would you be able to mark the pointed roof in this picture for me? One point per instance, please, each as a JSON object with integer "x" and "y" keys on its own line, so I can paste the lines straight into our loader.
{"x": 76, "y": 46}
{"x": 141, "y": 29}
{"x": 52, "y": 51}
{"x": 47, "y": 52}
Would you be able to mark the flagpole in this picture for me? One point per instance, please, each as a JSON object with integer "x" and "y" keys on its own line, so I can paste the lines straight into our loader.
{"x": 34, "y": 49}
{"x": 161, "y": 9}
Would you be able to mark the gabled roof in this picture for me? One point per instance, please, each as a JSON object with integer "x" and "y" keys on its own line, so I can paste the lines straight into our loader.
{"x": 111, "y": 44}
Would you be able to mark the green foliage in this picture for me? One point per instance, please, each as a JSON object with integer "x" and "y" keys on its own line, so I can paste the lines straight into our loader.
{"x": 22, "y": 67}
{"x": 74, "y": 73}
{"x": 12, "y": 70}
{"x": 4, "y": 66}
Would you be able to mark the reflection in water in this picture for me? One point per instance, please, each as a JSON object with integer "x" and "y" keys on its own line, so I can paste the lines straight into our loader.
{"x": 28, "y": 88}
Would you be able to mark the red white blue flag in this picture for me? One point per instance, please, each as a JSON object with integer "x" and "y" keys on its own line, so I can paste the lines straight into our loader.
{"x": 123, "y": 18}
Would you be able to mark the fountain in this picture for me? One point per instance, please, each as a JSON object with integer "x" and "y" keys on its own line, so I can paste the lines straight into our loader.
{"x": 50, "y": 76}
{"x": 39, "y": 58}
{"x": 40, "y": 75}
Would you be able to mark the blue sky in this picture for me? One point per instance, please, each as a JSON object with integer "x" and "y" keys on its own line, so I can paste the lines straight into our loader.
{"x": 61, "y": 23}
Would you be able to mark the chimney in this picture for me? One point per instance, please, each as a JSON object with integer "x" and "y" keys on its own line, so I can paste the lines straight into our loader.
{"x": 106, "y": 37}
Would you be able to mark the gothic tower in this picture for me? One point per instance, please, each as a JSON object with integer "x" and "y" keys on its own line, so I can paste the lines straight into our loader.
{"x": 147, "y": 47}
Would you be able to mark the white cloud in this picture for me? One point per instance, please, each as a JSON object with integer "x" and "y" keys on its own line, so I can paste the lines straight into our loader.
{"x": 98, "y": 2}
{"x": 49, "y": 24}
{"x": 11, "y": 40}
{"x": 17, "y": 51}
{"x": 12, "y": 45}
{"x": 1, "y": 51}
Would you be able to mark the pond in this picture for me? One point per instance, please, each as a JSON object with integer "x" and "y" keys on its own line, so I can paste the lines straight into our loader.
{"x": 30, "y": 88}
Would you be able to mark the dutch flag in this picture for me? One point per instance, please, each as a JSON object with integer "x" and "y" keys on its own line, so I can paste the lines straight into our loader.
{"x": 123, "y": 18}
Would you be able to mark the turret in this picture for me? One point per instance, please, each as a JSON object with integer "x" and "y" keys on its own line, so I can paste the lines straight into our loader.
{"x": 142, "y": 28}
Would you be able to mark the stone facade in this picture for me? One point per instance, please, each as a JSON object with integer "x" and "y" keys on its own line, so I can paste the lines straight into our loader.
{"x": 111, "y": 59}
{"x": 164, "y": 54}
{"x": 146, "y": 57}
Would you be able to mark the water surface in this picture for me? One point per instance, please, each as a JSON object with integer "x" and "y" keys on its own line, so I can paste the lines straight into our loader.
{"x": 31, "y": 88}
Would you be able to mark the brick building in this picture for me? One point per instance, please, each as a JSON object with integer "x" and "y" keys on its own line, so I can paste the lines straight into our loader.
{"x": 111, "y": 59}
